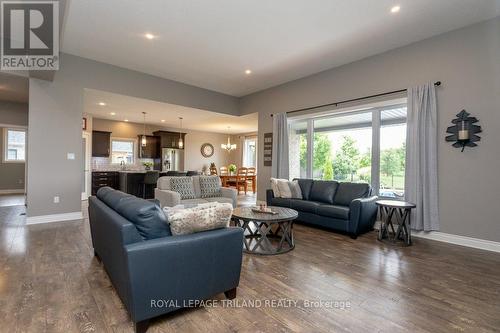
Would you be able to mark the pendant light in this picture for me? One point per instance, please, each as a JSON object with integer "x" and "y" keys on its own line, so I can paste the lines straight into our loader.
{"x": 143, "y": 139}
{"x": 181, "y": 142}
{"x": 228, "y": 146}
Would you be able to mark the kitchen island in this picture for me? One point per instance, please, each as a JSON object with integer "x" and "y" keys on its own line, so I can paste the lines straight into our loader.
{"x": 126, "y": 181}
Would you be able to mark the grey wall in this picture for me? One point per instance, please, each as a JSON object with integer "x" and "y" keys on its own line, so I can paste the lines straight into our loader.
{"x": 55, "y": 115}
{"x": 467, "y": 61}
{"x": 12, "y": 113}
{"x": 12, "y": 174}
{"x": 193, "y": 141}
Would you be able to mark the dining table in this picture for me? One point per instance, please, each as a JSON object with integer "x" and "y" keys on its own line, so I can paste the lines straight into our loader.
{"x": 232, "y": 178}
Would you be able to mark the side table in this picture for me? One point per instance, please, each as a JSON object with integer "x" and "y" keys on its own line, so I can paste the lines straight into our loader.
{"x": 400, "y": 211}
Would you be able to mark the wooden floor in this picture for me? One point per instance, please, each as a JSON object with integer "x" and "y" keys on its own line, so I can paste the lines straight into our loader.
{"x": 50, "y": 282}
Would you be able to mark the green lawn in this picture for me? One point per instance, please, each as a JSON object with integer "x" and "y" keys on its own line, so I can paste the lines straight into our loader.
{"x": 399, "y": 182}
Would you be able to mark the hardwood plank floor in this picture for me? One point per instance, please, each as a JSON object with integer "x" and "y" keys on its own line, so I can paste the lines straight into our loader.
{"x": 50, "y": 282}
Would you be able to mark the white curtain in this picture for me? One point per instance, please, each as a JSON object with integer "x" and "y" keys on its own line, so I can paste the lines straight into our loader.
{"x": 421, "y": 180}
{"x": 280, "y": 146}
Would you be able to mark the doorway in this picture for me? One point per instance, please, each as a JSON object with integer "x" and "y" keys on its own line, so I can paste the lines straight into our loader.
{"x": 13, "y": 145}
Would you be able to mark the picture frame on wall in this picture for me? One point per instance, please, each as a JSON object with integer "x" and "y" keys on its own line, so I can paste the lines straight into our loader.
{"x": 268, "y": 149}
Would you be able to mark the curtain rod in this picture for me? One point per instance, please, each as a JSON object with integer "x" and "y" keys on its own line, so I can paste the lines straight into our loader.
{"x": 437, "y": 84}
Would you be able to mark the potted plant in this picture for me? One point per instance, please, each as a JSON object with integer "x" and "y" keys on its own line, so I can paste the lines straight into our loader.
{"x": 147, "y": 165}
{"x": 232, "y": 169}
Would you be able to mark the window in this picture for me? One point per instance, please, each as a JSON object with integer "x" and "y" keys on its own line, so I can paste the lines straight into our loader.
{"x": 342, "y": 148}
{"x": 15, "y": 145}
{"x": 250, "y": 152}
{"x": 392, "y": 153}
{"x": 122, "y": 150}
{"x": 365, "y": 146}
{"x": 297, "y": 149}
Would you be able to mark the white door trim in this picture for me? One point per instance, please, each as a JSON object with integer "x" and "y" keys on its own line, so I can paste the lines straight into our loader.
{"x": 86, "y": 135}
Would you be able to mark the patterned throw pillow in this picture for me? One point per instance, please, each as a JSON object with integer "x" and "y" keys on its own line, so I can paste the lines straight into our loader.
{"x": 184, "y": 186}
{"x": 200, "y": 218}
{"x": 210, "y": 186}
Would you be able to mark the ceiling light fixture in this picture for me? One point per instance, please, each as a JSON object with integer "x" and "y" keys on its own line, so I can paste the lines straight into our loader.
{"x": 163, "y": 120}
{"x": 228, "y": 146}
{"x": 395, "y": 9}
{"x": 149, "y": 36}
{"x": 248, "y": 72}
{"x": 181, "y": 142}
{"x": 102, "y": 104}
{"x": 112, "y": 113}
{"x": 126, "y": 120}
{"x": 143, "y": 138}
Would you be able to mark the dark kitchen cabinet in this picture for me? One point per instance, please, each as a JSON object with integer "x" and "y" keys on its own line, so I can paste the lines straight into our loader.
{"x": 104, "y": 178}
{"x": 101, "y": 142}
{"x": 170, "y": 139}
{"x": 152, "y": 149}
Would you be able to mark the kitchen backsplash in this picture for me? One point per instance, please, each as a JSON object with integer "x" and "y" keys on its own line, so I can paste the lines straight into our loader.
{"x": 104, "y": 164}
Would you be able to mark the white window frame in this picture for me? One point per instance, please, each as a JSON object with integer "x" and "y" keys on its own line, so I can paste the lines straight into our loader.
{"x": 6, "y": 144}
{"x": 135, "y": 151}
{"x": 376, "y": 125}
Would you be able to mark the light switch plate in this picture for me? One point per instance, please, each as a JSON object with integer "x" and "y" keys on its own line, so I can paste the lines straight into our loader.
{"x": 71, "y": 156}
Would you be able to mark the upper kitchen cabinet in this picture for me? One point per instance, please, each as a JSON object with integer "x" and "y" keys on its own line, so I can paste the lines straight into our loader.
{"x": 152, "y": 148}
{"x": 170, "y": 139}
{"x": 101, "y": 143}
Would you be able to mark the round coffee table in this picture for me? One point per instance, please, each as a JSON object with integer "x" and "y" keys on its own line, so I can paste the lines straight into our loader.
{"x": 266, "y": 233}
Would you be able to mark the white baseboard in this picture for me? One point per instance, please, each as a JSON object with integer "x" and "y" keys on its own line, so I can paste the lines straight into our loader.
{"x": 16, "y": 191}
{"x": 54, "y": 218}
{"x": 476, "y": 243}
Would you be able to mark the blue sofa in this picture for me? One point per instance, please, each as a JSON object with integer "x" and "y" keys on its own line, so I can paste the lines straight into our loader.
{"x": 339, "y": 206}
{"x": 145, "y": 263}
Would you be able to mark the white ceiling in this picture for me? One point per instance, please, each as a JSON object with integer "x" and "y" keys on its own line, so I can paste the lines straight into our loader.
{"x": 210, "y": 43}
{"x": 131, "y": 108}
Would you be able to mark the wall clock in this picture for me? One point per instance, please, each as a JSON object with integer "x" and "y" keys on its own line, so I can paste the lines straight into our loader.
{"x": 207, "y": 150}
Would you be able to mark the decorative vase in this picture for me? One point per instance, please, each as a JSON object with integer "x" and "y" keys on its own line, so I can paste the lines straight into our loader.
{"x": 148, "y": 168}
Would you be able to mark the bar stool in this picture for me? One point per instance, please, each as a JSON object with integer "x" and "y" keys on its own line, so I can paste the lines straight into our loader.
{"x": 150, "y": 178}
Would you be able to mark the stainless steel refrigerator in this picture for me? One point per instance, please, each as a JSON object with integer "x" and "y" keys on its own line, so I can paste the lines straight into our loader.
{"x": 172, "y": 159}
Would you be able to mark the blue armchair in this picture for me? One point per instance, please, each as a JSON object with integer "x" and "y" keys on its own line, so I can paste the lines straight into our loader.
{"x": 173, "y": 269}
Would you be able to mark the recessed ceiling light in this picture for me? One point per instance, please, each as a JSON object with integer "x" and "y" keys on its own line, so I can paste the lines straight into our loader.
{"x": 163, "y": 120}
{"x": 112, "y": 113}
{"x": 248, "y": 72}
{"x": 102, "y": 104}
{"x": 126, "y": 120}
{"x": 395, "y": 9}
{"x": 149, "y": 36}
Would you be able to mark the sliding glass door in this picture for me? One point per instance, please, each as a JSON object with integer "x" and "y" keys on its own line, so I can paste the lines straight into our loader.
{"x": 366, "y": 146}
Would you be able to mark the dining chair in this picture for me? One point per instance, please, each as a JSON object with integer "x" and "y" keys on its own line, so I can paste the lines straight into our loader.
{"x": 241, "y": 179}
{"x": 251, "y": 179}
{"x": 224, "y": 171}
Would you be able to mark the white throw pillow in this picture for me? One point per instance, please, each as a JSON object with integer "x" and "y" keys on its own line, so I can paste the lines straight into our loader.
{"x": 284, "y": 188}
{"x": 201, "y": 218}
{"x": 295, "y": 189}
{"x": 274, "y": 187}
